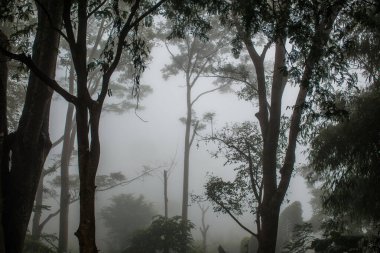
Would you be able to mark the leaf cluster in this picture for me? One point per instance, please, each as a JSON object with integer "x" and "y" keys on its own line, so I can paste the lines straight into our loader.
{"x": 164, "y": 233}
{"x": 345, "y": 159}
{"x": 124, "y": 216}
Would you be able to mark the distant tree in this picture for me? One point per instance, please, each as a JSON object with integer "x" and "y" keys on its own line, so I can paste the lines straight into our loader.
{"x": 194, "y": 58}
{"x": 163, "y": 234}
{"x": 290, "y": 217}
{"x": 301, "y": 239}
{"x": 124, "y": 216}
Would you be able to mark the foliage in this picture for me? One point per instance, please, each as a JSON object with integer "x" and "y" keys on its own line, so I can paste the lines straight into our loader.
{"x": 240, "y": 145}
{"x": 301, "y": 239}
{"x": 339, "y": 243}
{"x": 124, "y": 216}
{"x": 345, "y": 161}
{"x": 163, "y": 233}
{"x": 290, "y": 218}
{"x": 37, "y": 246}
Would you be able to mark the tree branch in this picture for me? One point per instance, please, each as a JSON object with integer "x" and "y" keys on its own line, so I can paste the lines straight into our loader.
{"x": 27, "y": 60}
{"x": 206, "y": 92}
{"x": 96, "y": 9}
{"x": 235, "y": 219}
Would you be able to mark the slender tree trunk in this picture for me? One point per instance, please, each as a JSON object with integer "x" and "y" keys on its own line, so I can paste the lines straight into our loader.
{"x": 186, "y": 164}
{"x": 88, "y": 157}
{"x": 31, "y": 143}
{"x": 67, "y": 148}
{"x": 204, "y": 228}
{"x": 166, "y": 192}
{"x": 36, "y": 231}
{"x": 3, "y": 129}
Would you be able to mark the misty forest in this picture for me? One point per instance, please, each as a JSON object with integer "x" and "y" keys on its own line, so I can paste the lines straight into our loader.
{"x": 189, "y": 126}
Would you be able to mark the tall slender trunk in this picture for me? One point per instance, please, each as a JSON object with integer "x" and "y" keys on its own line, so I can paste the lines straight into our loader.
{"x": 67, "y": 148}
{"x": 166, "y": 192}
{"x": 88, "y": 158}
{"x": 36, "y": 231}
{"x": 31, "y": 143}
{"x": 186, "y": 163}
{"x": 3, "y": 129}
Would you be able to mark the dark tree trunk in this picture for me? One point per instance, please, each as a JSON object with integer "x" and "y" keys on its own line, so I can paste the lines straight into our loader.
{"x": 31, "y": 143}
{"x": 88, "y": 158}
{"x": 3, "y": 130}
{"x": 67, "y": 148}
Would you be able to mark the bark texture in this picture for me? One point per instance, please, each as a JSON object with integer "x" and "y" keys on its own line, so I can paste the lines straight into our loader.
{"x": 67, "y": 149}
{"x": 31, "y": 143}
{"x": 3, "y": 129}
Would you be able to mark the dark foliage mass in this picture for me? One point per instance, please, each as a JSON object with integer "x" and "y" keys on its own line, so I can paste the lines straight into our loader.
{"x": 123, "y": 217}
{"x": 164, "y": 234}
{"x": 345, "y": 158}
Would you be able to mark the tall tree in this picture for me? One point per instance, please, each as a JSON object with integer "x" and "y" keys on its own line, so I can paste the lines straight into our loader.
{"x": 30, "y": 143}
{"x": 193, "y": 58}
{"x": 126, "y": 20}
{"x": 309, "y": 28}
{"x": 3, "y": 127}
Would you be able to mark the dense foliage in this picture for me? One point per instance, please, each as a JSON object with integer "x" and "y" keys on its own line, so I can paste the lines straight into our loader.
{"x": 123, "y": 217}
{"x": 164, "y": 234}
{"x": 345, "y": 159}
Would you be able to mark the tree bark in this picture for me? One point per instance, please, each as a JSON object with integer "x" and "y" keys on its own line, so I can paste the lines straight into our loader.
{"x": 36, "y": 231}
{"x": 88, "y": 157}
{"x": 186, "y": 162}
{"x": 166, "y": 193}
{"x": 67, "y": 148}
{"x": 31, "y": 142}
{"x": 3, "y": 129}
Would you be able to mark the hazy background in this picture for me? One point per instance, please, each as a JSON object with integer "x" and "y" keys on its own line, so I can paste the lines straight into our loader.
{"x": 128, "y": 143}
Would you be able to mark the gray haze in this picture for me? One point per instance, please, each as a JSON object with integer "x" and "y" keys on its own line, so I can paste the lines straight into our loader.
{"x": 128, "y": 143}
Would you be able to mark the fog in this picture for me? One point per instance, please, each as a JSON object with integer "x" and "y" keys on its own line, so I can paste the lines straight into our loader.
{"x": 154, "y": 137}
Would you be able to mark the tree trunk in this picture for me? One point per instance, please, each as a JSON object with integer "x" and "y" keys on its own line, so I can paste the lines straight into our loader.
{"x": 36, "y": 231}
{"x": 67, "y": 148}
{"x": 186, "y": 164}
{"x": 3, "y": 129}
{"x": 166, "y": 192}
{"x": 268, "y": 235}
{"x": 31, "y": 143}
{"x": 88, "y": 158}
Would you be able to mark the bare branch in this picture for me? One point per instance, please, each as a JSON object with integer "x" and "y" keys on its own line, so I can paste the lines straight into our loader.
{"x": 206, "y": 92}
{"x": 235, "y": 219}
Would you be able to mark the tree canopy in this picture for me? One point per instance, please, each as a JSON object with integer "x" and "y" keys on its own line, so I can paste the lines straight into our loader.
{"x": 123, "y": 217}
{"x": 345, "y": 159}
